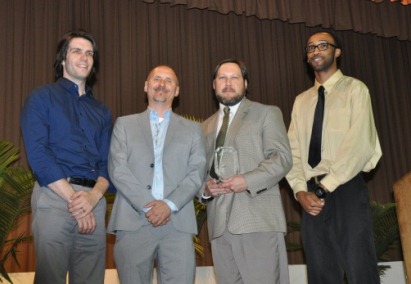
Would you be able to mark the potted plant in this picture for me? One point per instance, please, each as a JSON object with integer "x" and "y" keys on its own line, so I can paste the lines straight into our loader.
{"x": 16, "y": 186}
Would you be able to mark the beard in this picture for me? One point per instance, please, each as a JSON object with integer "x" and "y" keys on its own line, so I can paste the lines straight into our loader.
{"x": 230, "y": 101}
{"x": 328, "y": 62}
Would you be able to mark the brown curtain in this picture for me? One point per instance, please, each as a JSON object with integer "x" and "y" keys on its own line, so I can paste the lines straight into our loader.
{"x": 383, "y": 19}
{"x": 134, "y": 36}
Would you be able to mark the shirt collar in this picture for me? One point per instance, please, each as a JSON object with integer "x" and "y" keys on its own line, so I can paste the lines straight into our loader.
{"x": 233, "y": 109}
{"x": 330, "y": 81}
{"x": 73, "y": 87}
{"x": 154, "y": 115}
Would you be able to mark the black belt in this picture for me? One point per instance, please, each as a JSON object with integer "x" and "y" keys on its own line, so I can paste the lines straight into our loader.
{"x": 314, "y": 181}
{"x": 82, "y": 181}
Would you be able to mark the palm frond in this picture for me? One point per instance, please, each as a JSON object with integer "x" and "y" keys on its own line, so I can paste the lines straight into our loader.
{"x": 385, "y": 227}
{"x": 15, "y": 190}
{"x": 8, "y": 155}
{"x": 198, "y": 247}
{"x": 293, "y": 226}
{"x": 193, "y": 118}
{"x": 110, "y": 197}
{"x": 201, "y": 213}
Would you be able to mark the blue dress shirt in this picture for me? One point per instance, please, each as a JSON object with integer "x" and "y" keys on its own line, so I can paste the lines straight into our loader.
{"x": 158, "y": 130}
{"x": 65, "y": 135}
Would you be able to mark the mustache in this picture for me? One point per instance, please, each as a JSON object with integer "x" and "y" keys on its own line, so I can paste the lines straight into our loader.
{"x": 228, "y": 89}
{"x": 161, "y": 88}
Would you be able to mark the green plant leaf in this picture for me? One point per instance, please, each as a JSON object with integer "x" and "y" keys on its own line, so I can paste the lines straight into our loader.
{"x": 16, "y": 186}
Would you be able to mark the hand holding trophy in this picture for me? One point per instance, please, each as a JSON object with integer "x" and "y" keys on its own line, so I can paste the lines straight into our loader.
{"x": 225, "y": 162}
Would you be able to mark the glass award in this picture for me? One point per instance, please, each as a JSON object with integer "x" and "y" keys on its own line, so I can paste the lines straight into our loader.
{"x": 225, "y": 162}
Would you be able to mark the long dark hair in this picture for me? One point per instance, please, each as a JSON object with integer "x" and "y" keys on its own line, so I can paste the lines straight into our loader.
{"x": 62, "y": 48}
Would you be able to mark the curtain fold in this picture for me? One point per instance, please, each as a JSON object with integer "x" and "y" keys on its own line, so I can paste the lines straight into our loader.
{"x": 383, "y": 19}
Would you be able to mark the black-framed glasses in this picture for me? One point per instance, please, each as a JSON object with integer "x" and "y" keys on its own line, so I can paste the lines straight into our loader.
{"x": 321, "y": 47}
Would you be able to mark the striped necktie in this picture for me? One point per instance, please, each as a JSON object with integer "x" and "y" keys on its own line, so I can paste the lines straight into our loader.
{"x": 223, "y": 130}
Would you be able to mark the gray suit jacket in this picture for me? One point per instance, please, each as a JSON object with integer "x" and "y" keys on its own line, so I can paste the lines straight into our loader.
{"x": 259, "y": 135}
{"x": 131, "y": 168}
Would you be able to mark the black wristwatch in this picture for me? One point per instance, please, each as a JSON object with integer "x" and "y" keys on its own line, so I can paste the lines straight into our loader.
{"x": 320, "y": 192}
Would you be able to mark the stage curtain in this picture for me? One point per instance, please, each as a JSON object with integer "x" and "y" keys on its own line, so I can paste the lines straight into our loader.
{"x": 383, "y": 19}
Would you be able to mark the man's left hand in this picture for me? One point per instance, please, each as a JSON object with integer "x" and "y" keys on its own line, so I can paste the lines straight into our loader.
{"x": 234, "y": 184}
{"x": 159, "y": 213}
{"x": 82, "y": 203}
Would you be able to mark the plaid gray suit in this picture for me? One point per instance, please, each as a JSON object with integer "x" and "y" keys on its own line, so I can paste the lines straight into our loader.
{"x": 247, "y": 229}
{"x": 258, "y": 134}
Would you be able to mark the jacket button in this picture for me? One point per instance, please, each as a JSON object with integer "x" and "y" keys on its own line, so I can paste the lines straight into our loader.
{"x": 148, "y": 187}
{"x": 152, "y": 165}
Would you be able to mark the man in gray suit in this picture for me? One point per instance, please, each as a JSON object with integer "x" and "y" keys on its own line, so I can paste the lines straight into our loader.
{"x": 157, "y": 163}
{"x": 246, "y": 221}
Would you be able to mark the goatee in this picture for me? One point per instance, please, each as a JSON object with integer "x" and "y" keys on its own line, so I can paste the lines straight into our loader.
{"x": 230, "y": 102}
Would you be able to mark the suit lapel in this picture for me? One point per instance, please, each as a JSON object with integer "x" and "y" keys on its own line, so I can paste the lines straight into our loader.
{"x": 237, "y": 122}
{"x": 171, "y": 130}
{"x": 211, "y": 133}
{"x": 144, "y": 121}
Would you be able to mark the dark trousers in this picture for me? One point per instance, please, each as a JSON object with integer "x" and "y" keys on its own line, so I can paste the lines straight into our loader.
{"x": 340, "y": 238}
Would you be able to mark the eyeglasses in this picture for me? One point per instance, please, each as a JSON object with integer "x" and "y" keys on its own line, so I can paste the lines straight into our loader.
{"x": 321, "y": 47}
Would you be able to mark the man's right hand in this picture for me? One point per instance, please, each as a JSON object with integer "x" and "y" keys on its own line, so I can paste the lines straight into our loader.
{"x": 310, "y": 202}
{"x": 215, "y": 189}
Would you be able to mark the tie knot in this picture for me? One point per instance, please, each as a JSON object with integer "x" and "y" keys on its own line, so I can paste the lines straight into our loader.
{"x": 226, "y": 110}
{"x": 321, "y": 90}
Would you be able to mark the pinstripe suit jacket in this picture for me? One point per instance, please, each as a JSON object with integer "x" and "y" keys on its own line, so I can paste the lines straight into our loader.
{"x": 259, "y": 135}
{"x": 131, "y": 170}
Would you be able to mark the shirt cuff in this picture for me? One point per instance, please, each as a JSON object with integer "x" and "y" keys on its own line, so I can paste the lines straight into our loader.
{"x": 330, "y": 183}
{"x": 171, "y": 204}
{"x": 203, "y": 196}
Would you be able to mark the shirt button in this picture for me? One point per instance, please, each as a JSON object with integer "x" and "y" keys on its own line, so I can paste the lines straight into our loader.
{"x": 148, "y": 187}
{"x": 152, "y": 165}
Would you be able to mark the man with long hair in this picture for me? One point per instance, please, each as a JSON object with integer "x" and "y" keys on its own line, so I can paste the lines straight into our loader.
{"x": 66, "y": 134}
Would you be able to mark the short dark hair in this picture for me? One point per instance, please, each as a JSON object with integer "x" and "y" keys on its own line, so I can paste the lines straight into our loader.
{"x": 62, "y": 48}
{"x": 240, "y": 64}
{"x": 337, "y": 42}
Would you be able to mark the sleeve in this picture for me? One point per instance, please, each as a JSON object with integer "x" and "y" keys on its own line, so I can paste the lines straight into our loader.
{"x": 125, "y": 181}
{"x": 296, "y": 176}
{"x": 190, "y": 185}
{"x": 276, "y": 150}
{"x": 360, "y": 145}
{"x": 105, "y": 144}
{"x": 34, "y": 126}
